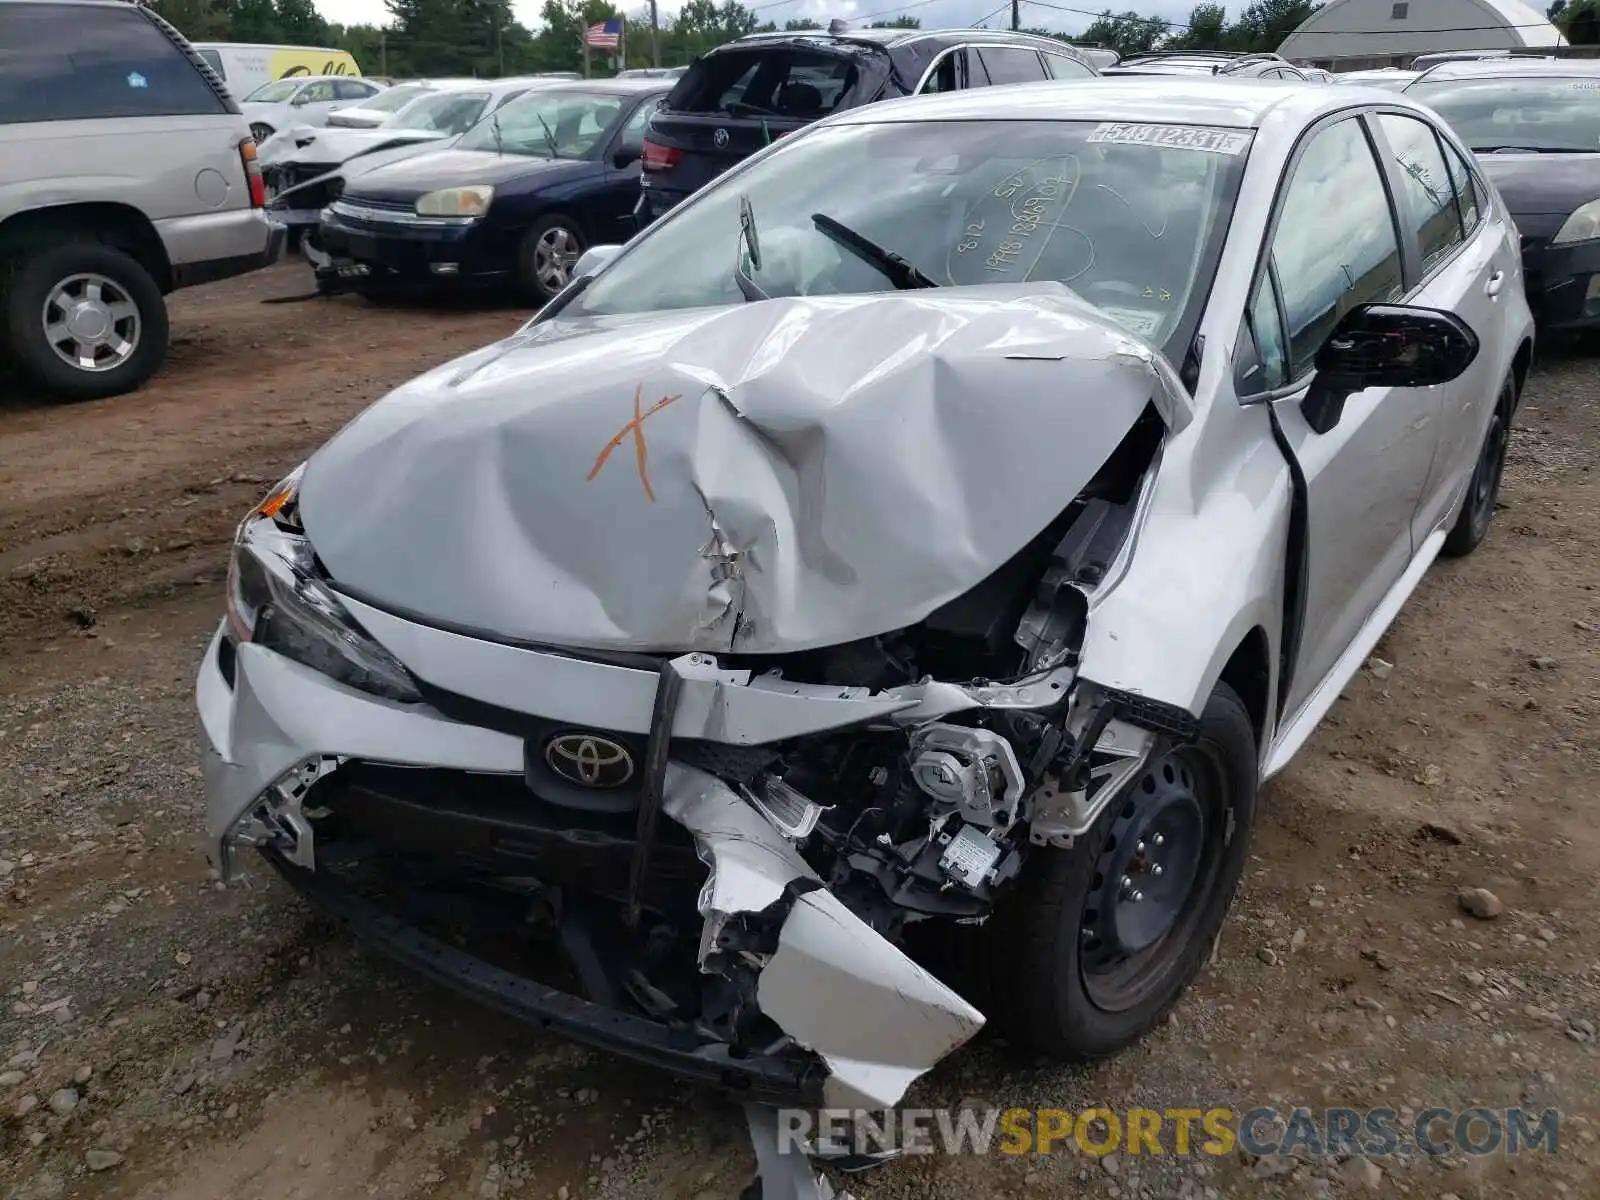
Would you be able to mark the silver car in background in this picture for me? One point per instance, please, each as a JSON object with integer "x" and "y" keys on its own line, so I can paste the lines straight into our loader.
{"x": 926, "y": 538}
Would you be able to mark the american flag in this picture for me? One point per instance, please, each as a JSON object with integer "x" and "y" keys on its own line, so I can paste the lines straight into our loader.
{"x": 604, "y": 36}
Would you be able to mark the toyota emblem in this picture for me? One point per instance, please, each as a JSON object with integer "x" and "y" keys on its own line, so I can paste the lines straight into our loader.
{"x": 720, "y": 139}
{"x": 589, "y": 761}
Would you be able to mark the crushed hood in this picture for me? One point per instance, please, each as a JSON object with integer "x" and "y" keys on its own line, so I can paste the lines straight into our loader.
{"x": 770, "y": 477}
{"x": 333, "y": 146}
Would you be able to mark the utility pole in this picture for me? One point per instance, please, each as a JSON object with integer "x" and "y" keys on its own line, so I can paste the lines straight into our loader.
{"x": 655, "y": 37}
{"x": 499, "y": 47}
{"x": 383, "y": 52}
{"x": 1016, "y": 14}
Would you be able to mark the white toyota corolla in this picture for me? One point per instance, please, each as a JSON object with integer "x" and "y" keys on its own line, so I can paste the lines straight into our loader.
{"x": 940, "y": 525}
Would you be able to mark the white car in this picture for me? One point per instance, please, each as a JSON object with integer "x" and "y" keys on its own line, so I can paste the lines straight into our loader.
{"x": 939, "y": 525}
{"x": 302, "y": 100}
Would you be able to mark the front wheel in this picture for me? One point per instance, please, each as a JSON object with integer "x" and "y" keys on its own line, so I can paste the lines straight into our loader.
{"x": 1101, "y": 939}
{"x": 549, "y": 252}
{"x": 1483, "y": 489}
{"x": 85, "y": 320}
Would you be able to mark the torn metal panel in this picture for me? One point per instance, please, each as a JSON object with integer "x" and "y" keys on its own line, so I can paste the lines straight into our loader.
{"x": 834, "y": 985}
{"x": 733, "y": 479}
{"x": 875, "y": 1017}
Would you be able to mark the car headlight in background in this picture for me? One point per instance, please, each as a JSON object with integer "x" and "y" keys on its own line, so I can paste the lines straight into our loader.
{"x": 276, "y": 601}
{"x": 456, "y": 202}
{"x": 1582, "y": 226}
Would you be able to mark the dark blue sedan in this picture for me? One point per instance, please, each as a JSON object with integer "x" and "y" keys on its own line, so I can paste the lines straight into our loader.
{"x": 515, "y": 200}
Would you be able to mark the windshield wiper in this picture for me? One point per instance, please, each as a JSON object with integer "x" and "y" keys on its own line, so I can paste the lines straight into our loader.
{"x": 1531, "y": 149}
{"x": 748, "y": 241}
{"x": 494, "y": 126}
{"x": 549, "y": 137}
{"x": 899, "y": 271}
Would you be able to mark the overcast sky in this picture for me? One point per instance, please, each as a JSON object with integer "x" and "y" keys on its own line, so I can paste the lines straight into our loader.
{"x": 934, "y": 13}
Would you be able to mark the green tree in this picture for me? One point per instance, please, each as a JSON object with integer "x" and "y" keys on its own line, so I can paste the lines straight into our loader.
{"x": 1126, "y": 32}
{"x": 1208, "y": 26}
{"x": 253, "y": 21}
{"x": 300, "y": 24}
{"x": 800, "y": 24}
{"x": 1266, "y": 23}
{"x": 197, "y": 20}
{"x": 901, "y": 22}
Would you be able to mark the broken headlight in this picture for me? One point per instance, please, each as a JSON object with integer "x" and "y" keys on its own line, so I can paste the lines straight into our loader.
{"x": 276, "y": 600}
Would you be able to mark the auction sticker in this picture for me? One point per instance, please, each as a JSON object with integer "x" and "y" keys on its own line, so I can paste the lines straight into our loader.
{"x": 1177, "y": 137}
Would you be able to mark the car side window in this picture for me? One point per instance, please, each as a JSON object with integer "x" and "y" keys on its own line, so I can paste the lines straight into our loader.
{"x": 316, "y": 93}
{"x": 1270, "y": 368}
{"x": 349, "y": 89}
{"x": 1469, "y": 201}
{"x": 949, "y": 76}
{"x": 1429, "y": 207}
{"x": 633, "y": 132}
{"x": 1012, "y": 64}
{"x": 1062, "y": 67}
{"x": 74, "y": 62}
{"x": 1335, "y": 246}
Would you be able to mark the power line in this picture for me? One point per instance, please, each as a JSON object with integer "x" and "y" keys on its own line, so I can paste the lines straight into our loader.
{"x": 890, "y": 12}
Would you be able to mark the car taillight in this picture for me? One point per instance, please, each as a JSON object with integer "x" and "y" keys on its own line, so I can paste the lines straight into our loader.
{"x": 660, "y": 158}
{"x": 252, "y": 173}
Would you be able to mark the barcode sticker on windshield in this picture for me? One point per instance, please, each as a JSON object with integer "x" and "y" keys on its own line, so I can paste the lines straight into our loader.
{"x": 1178, "y": 137}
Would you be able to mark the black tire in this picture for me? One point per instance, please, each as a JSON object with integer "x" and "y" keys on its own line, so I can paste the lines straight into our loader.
{"x": 33, "y": 281}
{"x": 1477, "y": 510}
{"x": 538, "y": 284}
{"x": 1046, "y": 990}
{"x": 261, "y": 132}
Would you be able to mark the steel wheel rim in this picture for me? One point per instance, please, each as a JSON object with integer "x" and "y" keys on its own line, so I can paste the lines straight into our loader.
{"x": 1486, "y": 480}
{"x": 1128, "y": 982}
{"x": 555, "y": 254}
{"x": 91, "y": 322}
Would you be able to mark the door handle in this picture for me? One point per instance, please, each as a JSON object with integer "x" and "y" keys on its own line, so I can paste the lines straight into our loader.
{"x": 1494, "y": 284}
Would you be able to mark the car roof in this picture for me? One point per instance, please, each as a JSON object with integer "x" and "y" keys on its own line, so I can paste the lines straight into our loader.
{"x": 899, "y": 37}
{"x": 620, "y": 87}
{"x": 1511, "y": 67}
{"x": 1226, "y": 101}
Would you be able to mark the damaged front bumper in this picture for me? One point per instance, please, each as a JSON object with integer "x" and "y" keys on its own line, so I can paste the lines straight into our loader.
{"x": 858, "y": 1019}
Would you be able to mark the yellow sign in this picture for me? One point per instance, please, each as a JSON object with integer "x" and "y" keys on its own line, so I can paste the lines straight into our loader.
{"x": 291, "y": 62}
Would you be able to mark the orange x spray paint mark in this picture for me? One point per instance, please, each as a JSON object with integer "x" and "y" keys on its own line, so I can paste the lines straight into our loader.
{"x": 640, "y": 450}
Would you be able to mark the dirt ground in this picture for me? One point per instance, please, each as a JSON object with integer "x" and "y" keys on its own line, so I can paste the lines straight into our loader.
{"x": 164, "y": 1036}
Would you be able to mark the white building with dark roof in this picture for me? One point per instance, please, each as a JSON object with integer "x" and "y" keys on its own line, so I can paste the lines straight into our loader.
{"x": 1391, "y": 29}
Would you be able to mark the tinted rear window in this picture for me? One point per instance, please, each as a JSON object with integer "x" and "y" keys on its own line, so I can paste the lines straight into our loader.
{"x": 73, "y": 62}
{"x": 765, "y": 82}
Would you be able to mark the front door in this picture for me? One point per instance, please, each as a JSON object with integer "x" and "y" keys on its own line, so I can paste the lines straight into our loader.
{"x": 1336, "y": 246}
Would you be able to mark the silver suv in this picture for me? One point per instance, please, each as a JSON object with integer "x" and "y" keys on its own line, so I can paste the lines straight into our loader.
{"x": 126, "y": 171}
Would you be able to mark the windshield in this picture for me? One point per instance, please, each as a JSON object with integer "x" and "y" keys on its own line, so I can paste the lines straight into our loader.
{"x": 275, "y": 92}
{"x": 1123, "y": 214}
{"x": 549, "y": 124}
{"x": 440, "y": 112}
{"x": 395, "y": 98}
{"x": 1536, "y": 113}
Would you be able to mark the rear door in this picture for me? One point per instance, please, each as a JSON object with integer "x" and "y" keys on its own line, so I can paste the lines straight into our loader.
{"x": 1464, "y": 263}
{"x": 733, "y": 102}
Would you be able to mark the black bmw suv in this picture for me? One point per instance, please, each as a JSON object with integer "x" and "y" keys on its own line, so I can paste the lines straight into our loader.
{"x": 745, "y": 94}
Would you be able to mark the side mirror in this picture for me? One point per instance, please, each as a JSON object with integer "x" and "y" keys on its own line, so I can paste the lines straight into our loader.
{"x": 593, "y": 259}
{"x": 1386, "y": 345}
{"x": 627, "y": 154}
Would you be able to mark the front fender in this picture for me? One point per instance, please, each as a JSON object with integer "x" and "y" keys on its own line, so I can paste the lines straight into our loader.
{"x": 1206, "y": 569}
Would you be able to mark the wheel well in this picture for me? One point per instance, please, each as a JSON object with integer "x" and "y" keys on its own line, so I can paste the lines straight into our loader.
{"x": 1520, "y": 365}
{"x": 1247, "y": 673}
{"x": 119, "y": 225}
